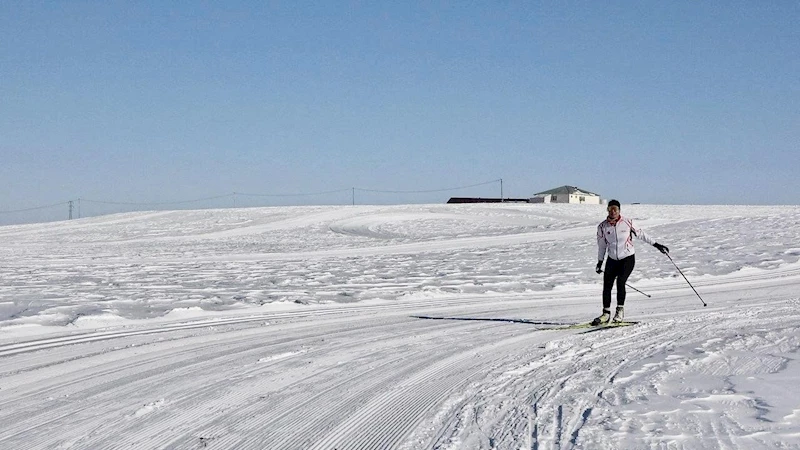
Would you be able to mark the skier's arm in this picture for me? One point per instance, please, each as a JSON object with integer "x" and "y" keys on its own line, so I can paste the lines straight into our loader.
{"x": 638, "y": 232}
{"x": 601, "y": 244}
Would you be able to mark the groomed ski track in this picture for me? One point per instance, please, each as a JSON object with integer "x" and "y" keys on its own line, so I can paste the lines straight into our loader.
{"x": 366, "y": 377}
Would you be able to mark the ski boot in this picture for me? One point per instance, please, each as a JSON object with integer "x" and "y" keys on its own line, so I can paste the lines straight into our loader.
{"x": 603, "y": 317}
{"x": 619, "y": 315}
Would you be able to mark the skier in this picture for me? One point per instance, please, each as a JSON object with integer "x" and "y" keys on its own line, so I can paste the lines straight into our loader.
{"x": 615, "y": 237}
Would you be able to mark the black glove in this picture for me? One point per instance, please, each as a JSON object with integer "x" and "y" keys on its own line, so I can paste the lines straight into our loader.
{"x": 662, "y": 248}
{"x": 599, "y": 268}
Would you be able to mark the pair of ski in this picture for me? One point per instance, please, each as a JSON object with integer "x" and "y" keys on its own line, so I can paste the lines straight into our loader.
{"x": 590, "y": 327}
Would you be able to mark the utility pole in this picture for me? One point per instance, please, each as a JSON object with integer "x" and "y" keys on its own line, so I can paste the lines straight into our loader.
{"x": 354, "y": 196}
{"x": 501, "y": 190}
{"x": 70, "y": 210}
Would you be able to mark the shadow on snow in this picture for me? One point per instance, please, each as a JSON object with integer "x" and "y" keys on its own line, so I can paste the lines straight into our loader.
{"x": 489, "y": 319}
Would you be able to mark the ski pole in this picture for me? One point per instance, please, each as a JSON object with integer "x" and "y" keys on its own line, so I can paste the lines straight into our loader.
{"x": 646, "y": 295}
{"x": 626, "y": 284}
{"x": 687, "y": 280}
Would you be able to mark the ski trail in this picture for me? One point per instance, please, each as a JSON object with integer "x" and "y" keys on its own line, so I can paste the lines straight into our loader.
{"x": 595, "y": 382}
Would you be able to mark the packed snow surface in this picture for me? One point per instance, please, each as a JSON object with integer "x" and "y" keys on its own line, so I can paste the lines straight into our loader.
{"x": 398, "y": 327}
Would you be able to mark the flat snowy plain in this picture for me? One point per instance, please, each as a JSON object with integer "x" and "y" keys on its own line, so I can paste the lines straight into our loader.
{"x": 398, "y": 327}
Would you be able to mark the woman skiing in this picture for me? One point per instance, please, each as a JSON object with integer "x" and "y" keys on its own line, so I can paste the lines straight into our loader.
{"x": 615, "y": 238}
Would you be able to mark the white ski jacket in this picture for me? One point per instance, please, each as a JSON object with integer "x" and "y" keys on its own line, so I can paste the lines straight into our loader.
{"x": 617, "y": 238}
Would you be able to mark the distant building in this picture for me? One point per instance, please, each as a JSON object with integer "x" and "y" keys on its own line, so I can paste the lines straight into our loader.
{"x": 566, "y": 194}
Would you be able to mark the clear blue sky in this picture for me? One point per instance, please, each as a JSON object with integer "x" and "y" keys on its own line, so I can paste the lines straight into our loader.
{"x": 657, "y": 102}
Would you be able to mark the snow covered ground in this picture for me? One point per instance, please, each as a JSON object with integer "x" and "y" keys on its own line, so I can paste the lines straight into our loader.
{"x": 398, "y": 327}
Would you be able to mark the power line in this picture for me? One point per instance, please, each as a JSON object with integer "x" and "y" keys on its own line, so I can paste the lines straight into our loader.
{"x": 429, "y": 190}
{"x": 34, "y": 208}
{"x": 292, "y": 195}
{"x": 369, "y": 190}
{"x": 70, "y": 203}
{"x": 157, "y": 203}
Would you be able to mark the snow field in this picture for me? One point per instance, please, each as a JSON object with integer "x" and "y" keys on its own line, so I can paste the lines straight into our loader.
{"x": 398, "y": 327}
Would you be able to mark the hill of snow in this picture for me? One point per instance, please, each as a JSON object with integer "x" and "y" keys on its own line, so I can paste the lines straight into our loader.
{"x": 398, "y": 327}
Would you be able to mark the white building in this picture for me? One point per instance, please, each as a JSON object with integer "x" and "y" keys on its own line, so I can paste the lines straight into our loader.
{"x": 566, "y": 194}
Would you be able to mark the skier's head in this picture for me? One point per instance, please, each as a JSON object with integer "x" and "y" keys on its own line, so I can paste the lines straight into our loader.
{"x": 613, "y": 209}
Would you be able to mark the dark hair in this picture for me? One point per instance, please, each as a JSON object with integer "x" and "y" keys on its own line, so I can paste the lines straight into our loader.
{"x": 614, "y": 203}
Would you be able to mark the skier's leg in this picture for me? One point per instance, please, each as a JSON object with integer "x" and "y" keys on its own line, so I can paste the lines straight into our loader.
{"x": 608, "y": 282}
{"x": 625, "y": 269}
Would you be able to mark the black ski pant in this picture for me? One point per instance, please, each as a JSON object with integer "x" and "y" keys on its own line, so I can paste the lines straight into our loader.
{"x": 619, "y": 270}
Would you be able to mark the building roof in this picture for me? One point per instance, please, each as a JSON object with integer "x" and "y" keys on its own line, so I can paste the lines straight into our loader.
{"x": 567, "y": 190}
